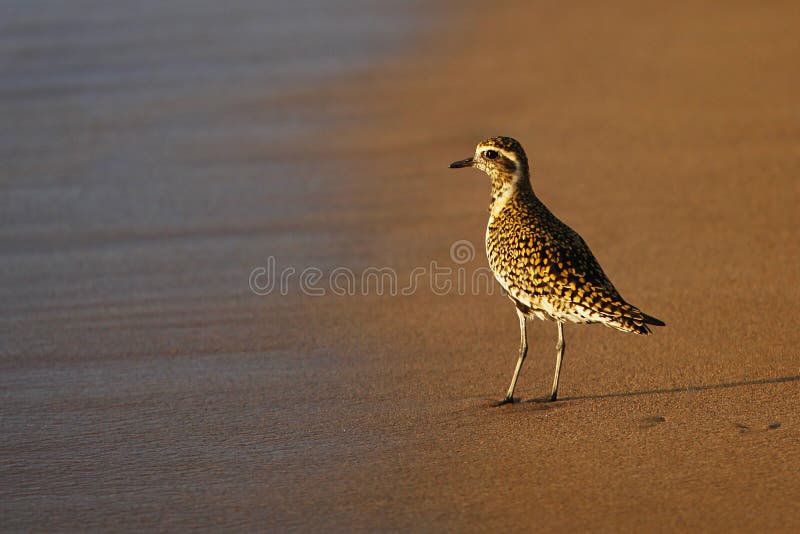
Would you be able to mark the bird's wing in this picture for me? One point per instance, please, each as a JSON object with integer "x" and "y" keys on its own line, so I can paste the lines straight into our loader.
{"x": 570, "y": 262}
{"x": 580, "y": 281}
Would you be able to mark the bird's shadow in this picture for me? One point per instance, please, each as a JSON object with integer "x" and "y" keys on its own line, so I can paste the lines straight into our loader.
{"x": 723, "y": 385}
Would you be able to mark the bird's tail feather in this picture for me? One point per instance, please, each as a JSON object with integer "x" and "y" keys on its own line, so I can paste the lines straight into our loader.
{"x": 649, "y": 319}
{"x": 629, "y": 318}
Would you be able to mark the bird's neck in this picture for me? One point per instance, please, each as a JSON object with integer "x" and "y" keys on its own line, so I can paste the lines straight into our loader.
{"x": 506, "y": 186}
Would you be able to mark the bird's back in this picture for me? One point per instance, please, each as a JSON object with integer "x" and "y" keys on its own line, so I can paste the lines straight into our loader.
{"x": 549, "y": 270}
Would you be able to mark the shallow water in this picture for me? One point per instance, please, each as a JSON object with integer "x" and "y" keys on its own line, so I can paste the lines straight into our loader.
{"x": 145, "y": 174}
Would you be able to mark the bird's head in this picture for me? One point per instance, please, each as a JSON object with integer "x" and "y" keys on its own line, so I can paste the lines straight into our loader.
{"x": 501, "y": 158}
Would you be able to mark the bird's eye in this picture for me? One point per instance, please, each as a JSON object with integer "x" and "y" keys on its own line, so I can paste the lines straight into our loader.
{"x": 491, "y": 154}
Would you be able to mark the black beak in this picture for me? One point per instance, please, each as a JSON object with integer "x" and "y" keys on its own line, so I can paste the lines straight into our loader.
{"x": 460, "y": 164}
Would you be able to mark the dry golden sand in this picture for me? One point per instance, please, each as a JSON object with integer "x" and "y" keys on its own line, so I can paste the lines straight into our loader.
{"x": 668, "y": 136}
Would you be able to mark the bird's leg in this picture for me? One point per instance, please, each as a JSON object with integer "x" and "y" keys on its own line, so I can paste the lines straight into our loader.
{"x": 523, "y": 351}
{"x": 559, "y": 356}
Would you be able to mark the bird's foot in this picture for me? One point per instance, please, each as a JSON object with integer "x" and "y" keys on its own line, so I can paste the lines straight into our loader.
{"x": 552, "y": 398}
{"x": 507, "y": 400}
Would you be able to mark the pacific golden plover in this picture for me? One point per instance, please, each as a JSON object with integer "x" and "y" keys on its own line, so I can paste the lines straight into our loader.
{"x": 545, "y": 267}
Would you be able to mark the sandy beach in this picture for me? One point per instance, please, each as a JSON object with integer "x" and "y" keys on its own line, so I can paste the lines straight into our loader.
{"x": 147, "y": 386}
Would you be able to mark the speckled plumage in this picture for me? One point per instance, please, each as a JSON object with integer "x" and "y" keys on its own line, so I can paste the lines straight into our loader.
{"x": 546, "y": 268}
{"x": 549, "y": 270}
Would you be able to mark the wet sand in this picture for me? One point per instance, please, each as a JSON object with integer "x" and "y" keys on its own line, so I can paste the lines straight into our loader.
{"x": 146, "y": 386}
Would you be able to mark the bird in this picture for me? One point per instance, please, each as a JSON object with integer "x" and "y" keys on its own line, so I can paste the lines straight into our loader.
{"x": 543, "y": 265}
